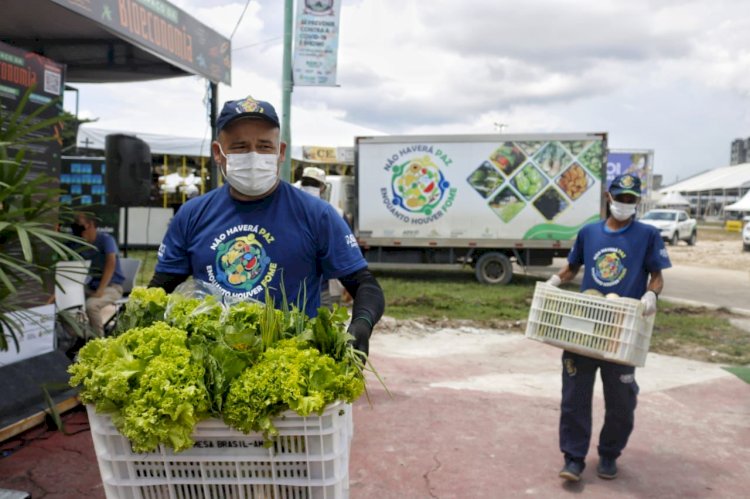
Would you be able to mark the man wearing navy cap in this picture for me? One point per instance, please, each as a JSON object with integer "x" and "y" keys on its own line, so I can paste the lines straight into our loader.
{"x": 623, "y": 256}
{"x": 259, "y": 233}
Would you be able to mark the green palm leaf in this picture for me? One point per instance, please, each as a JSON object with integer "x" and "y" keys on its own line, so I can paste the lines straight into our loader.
{"x": 29, "y": 208}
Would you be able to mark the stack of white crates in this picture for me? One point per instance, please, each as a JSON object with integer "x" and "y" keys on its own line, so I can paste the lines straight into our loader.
{"x": 612, "y": 329}
{"x": 309, "y": 459}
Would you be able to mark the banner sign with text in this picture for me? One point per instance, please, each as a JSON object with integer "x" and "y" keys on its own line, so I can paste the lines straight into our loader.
{"x": 637, "y": 162}
{"x": 19, "y": 72}
{"x": 330, "y": 155}
{"x": 316, "y": 42}
{"x": 162, "y": 29}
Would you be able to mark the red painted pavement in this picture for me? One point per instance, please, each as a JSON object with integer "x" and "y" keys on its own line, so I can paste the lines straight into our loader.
{"x": 485, "y": 439}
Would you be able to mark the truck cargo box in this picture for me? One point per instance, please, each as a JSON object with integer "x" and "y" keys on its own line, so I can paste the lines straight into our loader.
{"x": 502, "y": 193}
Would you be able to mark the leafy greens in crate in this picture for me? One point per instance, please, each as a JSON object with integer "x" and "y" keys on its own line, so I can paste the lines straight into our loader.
{"x": 193, "y": 354}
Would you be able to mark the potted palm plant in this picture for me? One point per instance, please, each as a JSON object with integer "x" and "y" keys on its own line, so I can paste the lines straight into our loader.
{"x": 30, "y": 212}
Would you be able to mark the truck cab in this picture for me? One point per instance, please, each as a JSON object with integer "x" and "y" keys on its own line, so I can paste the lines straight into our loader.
{"x": 341, "y": 194}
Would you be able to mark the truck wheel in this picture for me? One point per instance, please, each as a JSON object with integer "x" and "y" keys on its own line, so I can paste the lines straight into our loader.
{"x": 494, "y": 268}
{"x": 675, "y": 239}
{"x": 693, "y": 238}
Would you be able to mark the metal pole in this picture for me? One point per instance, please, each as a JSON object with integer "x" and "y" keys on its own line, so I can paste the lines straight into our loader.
{"x": 203, "y": 175}
{"x": 125, "y": 239}
{"x": 184, "y": 176}
{"x": 287, "y": 86}
{"x": 214, "y": 103}
{"x": 165, "y": 171}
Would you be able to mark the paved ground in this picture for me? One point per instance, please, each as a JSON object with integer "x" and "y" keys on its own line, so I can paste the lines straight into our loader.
{"x": 715, "y": 287}
{"x": 701, "y": 286}
{"x": 474, "y": 414}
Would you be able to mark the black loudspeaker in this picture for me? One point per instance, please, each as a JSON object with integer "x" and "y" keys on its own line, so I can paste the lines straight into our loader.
{"x": 128, "y": 170}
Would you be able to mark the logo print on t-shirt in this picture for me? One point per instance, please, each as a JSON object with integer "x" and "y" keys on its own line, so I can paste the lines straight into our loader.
{"x": 241, "y": 262}
{"x": 608, "y": 269}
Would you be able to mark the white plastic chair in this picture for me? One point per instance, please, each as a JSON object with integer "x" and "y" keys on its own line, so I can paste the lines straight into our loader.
{"x": 130, "y": 268}
{"x": 70, "y": 279}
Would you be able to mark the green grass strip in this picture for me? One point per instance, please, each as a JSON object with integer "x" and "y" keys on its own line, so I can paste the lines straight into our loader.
{"x": 741, "y": 372}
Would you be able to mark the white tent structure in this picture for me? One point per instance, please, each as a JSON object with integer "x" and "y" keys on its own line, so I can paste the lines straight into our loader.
{"x": 674, "y": 199}
{"x": 91, "y": 137}
{"x": 724, "y": 178}
{"x": 711, "y": 191}
{"x": 330, "y": 131}
{"x": 741, "y": 205}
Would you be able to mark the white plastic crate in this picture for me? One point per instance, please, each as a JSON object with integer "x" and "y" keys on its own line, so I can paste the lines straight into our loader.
{"x": 309, "y": 459}
{"x": 612, "y": 329}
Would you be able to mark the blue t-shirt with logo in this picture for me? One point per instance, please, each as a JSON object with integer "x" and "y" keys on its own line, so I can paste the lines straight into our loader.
{"x": 242, "y": 247}
{"x": 619, "y": 262}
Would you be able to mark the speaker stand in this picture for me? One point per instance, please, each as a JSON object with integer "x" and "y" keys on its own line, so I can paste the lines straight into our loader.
{"x": 125, "y": 236}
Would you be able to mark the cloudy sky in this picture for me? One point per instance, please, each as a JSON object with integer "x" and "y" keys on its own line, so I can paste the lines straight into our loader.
{"x": 667, "y": 75}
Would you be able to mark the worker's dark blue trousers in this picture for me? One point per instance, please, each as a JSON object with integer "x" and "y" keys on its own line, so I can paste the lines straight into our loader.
{"x": 620, "y": 394}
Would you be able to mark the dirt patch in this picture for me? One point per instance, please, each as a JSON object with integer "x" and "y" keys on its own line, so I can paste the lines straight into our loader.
{"x": 722, "y": 345}
{"x": 713, "y": 254}
{"x": 424, "y": 325}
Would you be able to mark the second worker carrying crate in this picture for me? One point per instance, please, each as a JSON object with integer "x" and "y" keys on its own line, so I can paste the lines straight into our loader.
{"x": 622, "y": 256}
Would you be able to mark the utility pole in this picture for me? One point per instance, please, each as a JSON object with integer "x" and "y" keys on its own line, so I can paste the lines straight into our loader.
{"x": 287, "y": 86}
{"x": 499, "y": 127}
{"x": 213, "y": 100}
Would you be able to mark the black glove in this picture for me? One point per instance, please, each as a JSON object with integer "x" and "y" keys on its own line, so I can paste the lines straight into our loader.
{"x": 361, "y": 329}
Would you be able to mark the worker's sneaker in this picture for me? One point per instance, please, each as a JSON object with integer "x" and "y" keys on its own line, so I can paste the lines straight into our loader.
{"x": 572, "y": 470}
{"x": 607, "y": 468}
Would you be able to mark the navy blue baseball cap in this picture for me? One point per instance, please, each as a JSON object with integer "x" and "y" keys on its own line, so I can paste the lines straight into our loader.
{"x": 246, "y": 108}
{"x": 625, "y": 184}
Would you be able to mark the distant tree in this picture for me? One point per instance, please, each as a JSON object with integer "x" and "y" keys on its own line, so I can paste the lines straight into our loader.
{"x": 70, "y": 132}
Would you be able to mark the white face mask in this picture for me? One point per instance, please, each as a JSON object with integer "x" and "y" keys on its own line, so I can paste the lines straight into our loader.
{"x": 251, "y": 173}
{"x": 621, "y": 211}
{"x": 311, "y": 189}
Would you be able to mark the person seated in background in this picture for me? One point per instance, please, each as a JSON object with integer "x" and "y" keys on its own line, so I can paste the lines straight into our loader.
{"x": 104, "y": 282}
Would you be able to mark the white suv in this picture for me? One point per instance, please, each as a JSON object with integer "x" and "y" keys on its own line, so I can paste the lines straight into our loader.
{"x": 674, "y": 225}
{"x": 746, "y": 235}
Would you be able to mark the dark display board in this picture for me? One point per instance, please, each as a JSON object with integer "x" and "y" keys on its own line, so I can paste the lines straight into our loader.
{"x": 19, "y": 72}
{"x": 83, "y": 180}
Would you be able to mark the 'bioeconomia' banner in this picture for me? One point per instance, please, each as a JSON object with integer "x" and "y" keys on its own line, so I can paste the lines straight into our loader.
{"x": 316, "y": 42}
{"x": 161, "y": 28}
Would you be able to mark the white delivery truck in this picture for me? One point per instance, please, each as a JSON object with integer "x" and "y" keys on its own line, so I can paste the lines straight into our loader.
{"x": 481, "y": 200}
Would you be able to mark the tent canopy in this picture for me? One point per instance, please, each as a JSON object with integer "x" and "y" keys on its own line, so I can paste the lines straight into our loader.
{"x": 742, "y": 205}
{"x": 91, "y": 137}
{"x": 673, "y": 199}
{"x": 116, "y": 40}
{"x": 724, "y": 178}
